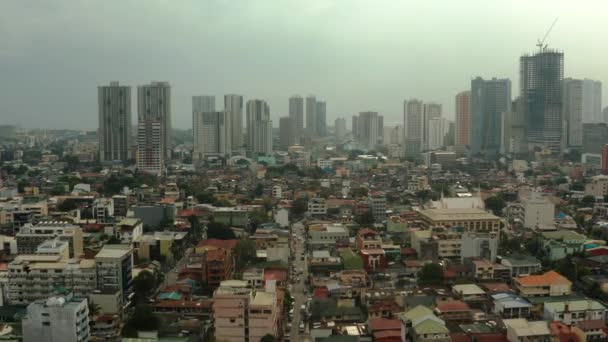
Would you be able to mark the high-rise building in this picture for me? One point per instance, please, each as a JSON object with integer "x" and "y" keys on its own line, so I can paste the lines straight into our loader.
{"x": 393, "y": 135}
{"x": 437, "y": 128}
{"x": 582, "y": 101}
{"x": 595, "y": 137}
{"x": 605, "y": 159}
{"x": 296, "y": 113}
{"x": 380, "y": 130}
{"x": 367, "y": 129}
{"x": 233, "y": 107}
{"x": 340, "y": 128}
{"x": 450, "y": 136}
{"x": 286, "y": 132}
{"x": 592, "y": 101}
{"x": 489, "y": 99}
{"x": 58, "y": 318}
{"x": 311, "y": 115}
{"x": 154, "y": 102}
{"x": 431, "y": 111}
{"x": 321, "y": 120}
{"x": 259, "y": 128}
{"x": 463, "y": 118}
{"x": 541, "y": 78}
{"x": 114, "y": 264}
{"x": 413, "y": 127}
{"x": 150, "y": 145}
{"x": 203, "y": 103}
{"x": 114, "y": 133}
{"x": 211, "y": 135}
{"x": 355, "y": 126}
{"x": 513, "y": 134}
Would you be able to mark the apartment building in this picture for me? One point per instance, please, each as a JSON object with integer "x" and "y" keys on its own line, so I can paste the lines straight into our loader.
{"x": 31, "y": 236}
{"x": 113, "y": 265}
{"x": 317, "y": 206}
{"x": 326, "y": 234}
{"x": 58, "y": 318}
{"x": 548, "y": 284}
{"x": 472, "y": 219}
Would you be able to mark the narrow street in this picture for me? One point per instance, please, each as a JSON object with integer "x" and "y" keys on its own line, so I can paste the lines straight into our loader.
{"x": 300, "y": 298}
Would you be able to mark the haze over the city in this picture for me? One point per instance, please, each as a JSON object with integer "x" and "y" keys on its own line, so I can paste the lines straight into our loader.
{"x": 356, "y": 55}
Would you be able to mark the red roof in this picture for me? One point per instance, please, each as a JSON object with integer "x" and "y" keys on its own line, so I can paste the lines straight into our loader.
{"x": 372, "y": 251}
{"x": 452, "y": 305}
{"x": 376, "y": 324}
{"x": 225, "y": 244}
{"x": 216, "y": 255}
{"x": 275, "y": 274}
{"x": 460, "y": 337}
{"x": 408, "y": 251}
{"x": 598, "y": 251}
{"x": 321, "y": 292}
{"x": 388, "y": 336}
{"x": 490, "y": 337}
{"x": 367, "y": 231}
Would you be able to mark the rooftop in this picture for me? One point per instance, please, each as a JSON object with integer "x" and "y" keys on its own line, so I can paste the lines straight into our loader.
{"x": 457, "y": 214}
{"x": 542, "y": 279}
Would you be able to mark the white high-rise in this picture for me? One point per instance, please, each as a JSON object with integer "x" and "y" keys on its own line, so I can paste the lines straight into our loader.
{"x": 413, "y": 127}
{"x": 437, "y": 128}
{"x": 114, "y": 122}
{"x": 203, "y": 103}
{"x": 393, "y": 135}
{"x": 233, "y": 107}
{"x": 431, "y": 111}
{"x": 368, "y": 129}
{"x": 296, "y": 113}
{"x": 259, "y": 128}
{"x": 311, "y": 115}
{"x": 582, "y": 100}
{"x": 211, "y": 135}
{"x": 150, "y": 145}
{"x": 154, "y": 102}
{"x": 592, "y": 101}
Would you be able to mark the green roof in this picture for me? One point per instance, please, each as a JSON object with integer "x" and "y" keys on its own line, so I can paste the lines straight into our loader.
{"x": 430, "y": 326}
{"x": 563, "y": 235}
{"x": 417, "y": 313}
{"x": 352, "y": 261}
{"x": 170, "y": 295}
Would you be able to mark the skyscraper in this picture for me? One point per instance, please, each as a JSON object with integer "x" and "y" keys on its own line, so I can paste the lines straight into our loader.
{"x": 355, "y": 126}
{"x": 296, "y": 113}
{"x": 259, "y": 128}
{"x": 311, "y": 115}
{"x": 413, "y": 127}
{"x": 393, "y": 135}
{"x": 582, "y": 104}
{"x": 463, "y": 118}
{"x": 437, "y": 128}
{"x": 203, "y": 103}
{"x": 321, "y": 120}
{"x": 114, "y": 134}
{"x": 233, "y": 107}
{"x": 367, "y": 129}
{"x": 286, "y": 132}
{"x": 340, "y": 128}
{"x": 150, "y": 146}
{"x": 431, "y": 111}
{"x": 211, "y": 135}
{"x": 592, "y": 101}
{"x": 154, "y": 102}
{"x": 541, "y": 77}
{"x": 489, "y": 99}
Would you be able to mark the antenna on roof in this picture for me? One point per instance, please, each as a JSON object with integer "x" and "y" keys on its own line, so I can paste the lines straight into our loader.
{"x": 541, "y": 43}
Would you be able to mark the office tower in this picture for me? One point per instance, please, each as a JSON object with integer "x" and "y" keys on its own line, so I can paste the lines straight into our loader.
{"x": 367, "y": 130}
{"x": 154, "y": 102}
{"x": 114, "y": 133}
{"x": 413, "y": 127}
{"x": 463, "y": 118}
{"x": 595, "y": 136}
{"x": 541, "y": 77}
{"x": 592, "y": 101}
{"x": 355, "y": 126}
{"x": 431, "y": 111}
{"x": 605, "y": 115}
{"x": 513, "y": 130}
{"x": 450, "y": 136}
{"x": 393, "y": 135}
{"x": 286, "y": 132}
{"x": 296, "y": 113}
{"x": 203, "y": 103}
{"x": 150, "y": 145}
{"x": 57, "y": 318}
{"x": 233, "y": 107}
{"x": 211, "y": 135}
{"x": 321, "y": 120}
{"x": 573, "y": 111}
{"x": 380, "y": 130}
{"x": 340, "y": 128}
{"x": 437, "y": 128}
{"x": 489, "y": 99}
{"x": 311, "y": 115}
{"x": 259, "y": 128}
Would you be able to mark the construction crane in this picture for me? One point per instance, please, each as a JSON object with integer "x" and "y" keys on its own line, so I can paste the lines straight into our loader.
{"x": 542, "y": 42}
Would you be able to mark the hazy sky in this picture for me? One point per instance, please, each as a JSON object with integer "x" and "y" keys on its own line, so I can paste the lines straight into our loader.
{"x": 357, "y": 55}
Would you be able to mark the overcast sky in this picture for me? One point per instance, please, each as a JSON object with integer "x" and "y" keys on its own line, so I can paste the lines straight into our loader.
{"x": 357, "y": 55}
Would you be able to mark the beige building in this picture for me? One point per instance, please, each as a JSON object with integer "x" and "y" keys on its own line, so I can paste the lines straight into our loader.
{"x": 244, "y": 314}
{"x": 548, "y": 284}
{"x": 463, "y": 118}
{"x": 30, "y": 236}
{"x": 473, "y": 220}
{"x": 598, "y": 186}
{"x": 519, "y": 329}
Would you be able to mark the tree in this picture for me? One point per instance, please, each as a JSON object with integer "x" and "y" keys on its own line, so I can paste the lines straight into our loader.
{"x": 57, "y": 190}
{"x": 431, "y": 274}
{"x": 113, "y": 240}
{"x": 195, "y": 233}
{"x": 365, "y": 219}
{"x": 496, "y": 204}
{"x": 287, "y": 301}
{"x": 216, "y": 230}
{"x": 142, "y": 319}
{"x": 359, "y": 192}
{"x": 299, "y": 206}
{"x": 143, "y": 285}
{"x": 588, "y": 201}
{"x": 244, "y": 253}
{"x": 259, "y": 190}
{"x": 268, "y": 338}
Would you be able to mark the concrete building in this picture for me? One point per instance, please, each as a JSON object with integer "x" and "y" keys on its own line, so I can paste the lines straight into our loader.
{"x": 413, "y": 127}
{"x": 311, "y": 115}
{"x": 296, "y": 113}
{"x": 463, "y": 118}
{"x": 377, "y": 203}
{"x": 369, "y": 129}
{"x": 437, "y": 129}
{"x": 547, "y": 284}
{"x": 573, "y": 311}
{"x": 321, "y": 120}
{"x": 113, "y": 269}
{"x": 244, "y": 314}
{"x": 598, "y": 187}
{"x": 431, "y": 111}
{"x": 150, "y": 146}
{"x": 287, "y": 132}
{"x": 62, "y": 318}
{"x": 203, "y": 103}
{"x": 259, "y": 128}
{"x": 212, "y": 135}
{"x": 154, "y": 102}
{"x": 31, "y": 236}
{"x": 324, "y": 234}
{"x": 340, "y": 128}
{"x": 595, "y": 137}
{"x": 121, "y": 205}
{"x": 521, "y": 265}
{"x": 519, "y": 330}
{"x": 317, "y": 206}
{"x": 233, "y": 107}
{"x": 489, "y": 99}
{"x": 539, "y": 212}
{"x": 582, "y": 104}
{"x": 541, "y": 79}
{"x": 114, "y": 102}
{"x": 393, "y": 135}
{"x": 472, "y": 219}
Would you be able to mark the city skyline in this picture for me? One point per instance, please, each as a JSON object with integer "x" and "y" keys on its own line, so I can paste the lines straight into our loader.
{"x": 329, "y": 70}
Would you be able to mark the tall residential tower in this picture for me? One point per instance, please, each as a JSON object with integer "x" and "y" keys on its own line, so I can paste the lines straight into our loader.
{"x": 114, "y": 134}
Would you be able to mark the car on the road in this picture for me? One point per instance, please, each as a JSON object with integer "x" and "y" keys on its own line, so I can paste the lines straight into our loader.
{"x": 301, "y": 327}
